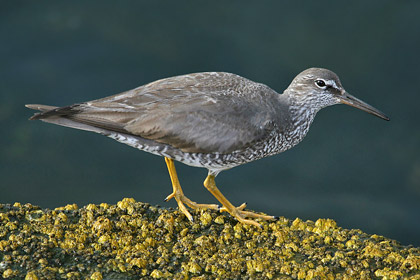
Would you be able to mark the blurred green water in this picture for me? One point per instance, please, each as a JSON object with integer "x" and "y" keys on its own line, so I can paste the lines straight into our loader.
{"x": 352, "y": 167}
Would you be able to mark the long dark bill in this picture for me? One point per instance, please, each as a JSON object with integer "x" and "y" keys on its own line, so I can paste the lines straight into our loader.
{"x": 349, "y": 99}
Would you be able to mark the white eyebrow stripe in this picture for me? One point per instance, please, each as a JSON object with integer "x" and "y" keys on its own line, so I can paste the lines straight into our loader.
{"x": 331, "y": 83}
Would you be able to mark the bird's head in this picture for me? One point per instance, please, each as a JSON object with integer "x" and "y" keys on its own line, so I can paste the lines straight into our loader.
{"x": 319, "y": 88}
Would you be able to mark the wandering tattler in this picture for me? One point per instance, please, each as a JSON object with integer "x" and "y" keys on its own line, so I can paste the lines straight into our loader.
{"x": 214, "y": 120}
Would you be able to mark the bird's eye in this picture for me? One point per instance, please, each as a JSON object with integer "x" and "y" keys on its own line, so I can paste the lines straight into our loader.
{"x": 320, "y": 83}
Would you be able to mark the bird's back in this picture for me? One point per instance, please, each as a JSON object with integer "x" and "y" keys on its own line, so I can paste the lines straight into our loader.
{"x": 207, "y": 113}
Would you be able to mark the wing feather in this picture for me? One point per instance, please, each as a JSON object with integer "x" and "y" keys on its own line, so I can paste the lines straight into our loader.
{"x": 200, "y": 113}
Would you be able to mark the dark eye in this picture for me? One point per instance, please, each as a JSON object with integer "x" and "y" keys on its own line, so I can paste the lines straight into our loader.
{"x": 320, "y": 83}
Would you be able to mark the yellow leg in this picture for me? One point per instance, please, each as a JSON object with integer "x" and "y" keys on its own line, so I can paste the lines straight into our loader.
{"x": 179, "y": 195}
{"x": 236, "y": 212}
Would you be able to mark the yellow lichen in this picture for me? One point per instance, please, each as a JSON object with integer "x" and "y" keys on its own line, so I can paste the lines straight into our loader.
{"x": 68, "y": 207}
{"x": 92, "y": 207}
{"x": 61, "y": 218}
{"x": 101, "y": 225}
{"x": 388, "y": 273}
{"x": 205, "y": 219}
{"x": 127, "y": 204}
{"x": 8, "y": 273}
{"x": 219, "y": 220}
{"x": 194, "y": 268}
{"x": 160, "y": 274}
{"x": 133, "y": 238}
{"x": 31, "y": 276}
{"x": 96, "y": 276}
{"x": 411, "y": 263}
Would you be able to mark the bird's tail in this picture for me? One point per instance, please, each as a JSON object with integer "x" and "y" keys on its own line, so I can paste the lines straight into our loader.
{"x": 41, "y": 108}
{"x": 61, "y": 116}
{"x": 51, "y": 111}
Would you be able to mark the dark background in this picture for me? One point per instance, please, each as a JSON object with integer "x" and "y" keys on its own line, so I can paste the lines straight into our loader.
{"x": 357, "y": 169}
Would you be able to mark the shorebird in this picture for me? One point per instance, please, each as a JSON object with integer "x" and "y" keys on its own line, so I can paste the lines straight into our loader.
{"x": 213, "y": 120}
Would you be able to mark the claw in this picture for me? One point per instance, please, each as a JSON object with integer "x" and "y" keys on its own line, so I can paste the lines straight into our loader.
{"x": 190, "y": 218}
{"x": 169, "y": 197}
{"x": 242, "y": 206}
{"x": 236, "y": 212}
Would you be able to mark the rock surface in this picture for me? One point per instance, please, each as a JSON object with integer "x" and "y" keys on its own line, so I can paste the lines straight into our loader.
{"x": 131, "y": 240}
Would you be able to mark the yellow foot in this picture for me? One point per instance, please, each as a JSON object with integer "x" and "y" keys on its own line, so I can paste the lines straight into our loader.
{"x": 179, "y": 196}
{"x": 236, "y": 212}
{"x": 241, "y": 215}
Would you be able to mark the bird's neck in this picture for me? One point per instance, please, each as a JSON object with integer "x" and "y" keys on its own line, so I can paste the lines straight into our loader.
{"x": 302, "y": 111}
{"x": 301, "y": 115}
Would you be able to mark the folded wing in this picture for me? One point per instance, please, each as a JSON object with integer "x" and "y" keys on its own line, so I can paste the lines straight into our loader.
{"x": 193, "y": 113}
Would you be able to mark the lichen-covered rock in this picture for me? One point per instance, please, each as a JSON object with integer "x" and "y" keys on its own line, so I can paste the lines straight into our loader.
{"x": 132, "y": 240}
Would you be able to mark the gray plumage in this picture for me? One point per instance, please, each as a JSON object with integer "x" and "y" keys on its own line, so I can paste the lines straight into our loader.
{"x": 213, "y": 120}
